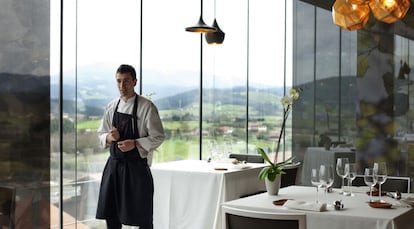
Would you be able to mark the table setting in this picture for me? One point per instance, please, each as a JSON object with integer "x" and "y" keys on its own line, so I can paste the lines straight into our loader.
{"x": 346, "y": 207}
{"x": 336, "y": 210}
{"x": 230, "y": 164}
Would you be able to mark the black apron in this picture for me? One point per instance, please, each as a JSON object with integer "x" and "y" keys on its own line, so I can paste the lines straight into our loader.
{"x": 127, "y": 186}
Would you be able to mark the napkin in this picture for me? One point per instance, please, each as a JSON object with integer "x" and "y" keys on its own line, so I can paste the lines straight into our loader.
{"x": 303, "y": 205}
{"x": 407, "y": 202}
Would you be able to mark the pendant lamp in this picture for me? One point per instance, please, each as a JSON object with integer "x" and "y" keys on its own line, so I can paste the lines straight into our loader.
{"x": 350, "y": 16}
{"x": 389, "y": 11}
{"x": 358, "y": 2}
{"x": 200, "y": 27}
{"x": 216, "y": 37}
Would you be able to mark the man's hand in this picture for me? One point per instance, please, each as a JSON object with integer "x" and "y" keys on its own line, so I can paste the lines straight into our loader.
{"x": 112, "y": 136}
{"x": 126, "y": 145}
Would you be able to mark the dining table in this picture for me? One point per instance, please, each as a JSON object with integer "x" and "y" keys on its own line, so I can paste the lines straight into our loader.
{"x": 188, "y": 193}
{"x": 355, "y": 212}
{"x": 316, "y": 156}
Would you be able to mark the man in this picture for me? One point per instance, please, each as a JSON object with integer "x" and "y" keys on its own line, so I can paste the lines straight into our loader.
{"x": 132, "y": 128}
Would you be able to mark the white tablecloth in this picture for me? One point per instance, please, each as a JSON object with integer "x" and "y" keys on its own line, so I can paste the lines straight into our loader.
{"x": 188, "y": 193}
{"x": 315, "y": 156}
{"x": 356, "y": 213}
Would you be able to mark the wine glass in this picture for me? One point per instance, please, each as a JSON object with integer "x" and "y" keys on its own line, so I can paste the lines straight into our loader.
{"x": 315, "y": 182}
{"x": 369, "y": 180}
{"x": 380, "y": 173}
{"x": 340, "y": 170}
{"x": 326, "y": 177}
{"x": 350, "y": 169}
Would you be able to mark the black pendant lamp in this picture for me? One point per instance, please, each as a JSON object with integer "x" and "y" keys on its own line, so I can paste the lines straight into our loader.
{"x": 200, "y": 27}
{"x": 217, "y": 37}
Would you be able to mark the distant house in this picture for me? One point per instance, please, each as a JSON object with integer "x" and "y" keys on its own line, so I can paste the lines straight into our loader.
{"x": 257, "y": 127}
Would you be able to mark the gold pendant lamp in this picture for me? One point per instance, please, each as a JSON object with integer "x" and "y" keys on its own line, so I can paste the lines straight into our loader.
{"x": 350, "y": 16}
{"x": 389, "y": 11}
{"x": 358, "y": 2}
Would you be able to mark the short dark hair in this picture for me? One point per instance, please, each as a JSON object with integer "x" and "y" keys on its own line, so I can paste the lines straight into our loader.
{"x": 125, "y": 68}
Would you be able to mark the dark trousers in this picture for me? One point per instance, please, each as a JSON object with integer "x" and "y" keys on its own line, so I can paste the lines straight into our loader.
{"x": 114, "y": 223}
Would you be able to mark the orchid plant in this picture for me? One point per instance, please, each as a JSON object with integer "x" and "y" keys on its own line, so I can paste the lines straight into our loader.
{"x": 275, "y": 167}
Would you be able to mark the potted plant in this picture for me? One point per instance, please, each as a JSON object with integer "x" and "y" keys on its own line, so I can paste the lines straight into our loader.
{"x": 273, "y": 171}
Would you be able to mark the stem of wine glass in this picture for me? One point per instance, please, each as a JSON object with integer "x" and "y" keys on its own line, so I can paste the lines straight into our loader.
{"x": 380, "y": 194}
{"x": 317, "y": 194}
{"x": 370, "y": 193}
{"x": 349, "y": 189}
{"x": 343, "y": 184}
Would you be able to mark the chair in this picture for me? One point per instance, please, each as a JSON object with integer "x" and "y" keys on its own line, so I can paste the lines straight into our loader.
{"x": 290, "y": 177}
{"x": 392, "y": 184}
{"x": 7, "y": 206}
{"x": 401, "y": 184}
{"x": 236, "y": 218}
{"x": 251, "y": 158}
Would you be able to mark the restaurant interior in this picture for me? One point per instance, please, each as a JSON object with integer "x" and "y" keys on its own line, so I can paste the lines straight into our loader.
{"x": 239, "y": 85}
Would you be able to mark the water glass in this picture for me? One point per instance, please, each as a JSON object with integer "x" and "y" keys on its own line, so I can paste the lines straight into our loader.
{"x": 340, "y": 170}
{"x": 369, "y": 180}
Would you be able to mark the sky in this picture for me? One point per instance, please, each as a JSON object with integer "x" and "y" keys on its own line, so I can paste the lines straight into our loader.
{"x": 107, "y": 32}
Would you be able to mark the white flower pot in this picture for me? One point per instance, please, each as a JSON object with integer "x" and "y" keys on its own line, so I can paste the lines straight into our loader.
{"x": 272, "y": 187}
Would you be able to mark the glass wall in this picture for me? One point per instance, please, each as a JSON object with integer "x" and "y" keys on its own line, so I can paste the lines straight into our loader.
{"x": 58, "y": 70}
{"x": 171, "y": 74}
{"x": 25, "y": 108}
{"x": 356, "y": 87}
{"x": 225, "y": 83}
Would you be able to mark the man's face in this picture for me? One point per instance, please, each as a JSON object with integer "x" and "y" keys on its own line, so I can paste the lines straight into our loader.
{"x": 125, "y": 84}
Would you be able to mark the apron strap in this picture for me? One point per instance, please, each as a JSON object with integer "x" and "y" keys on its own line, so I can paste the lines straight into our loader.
{"x": 116, "y": 109}
{"x": 135, "y": 117}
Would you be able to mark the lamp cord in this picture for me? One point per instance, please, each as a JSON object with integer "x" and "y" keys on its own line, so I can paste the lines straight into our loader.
{"x": 201, "y": 9}
{"x": 214, "y": 9}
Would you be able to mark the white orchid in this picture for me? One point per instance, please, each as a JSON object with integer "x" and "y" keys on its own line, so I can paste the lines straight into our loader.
{"x": 276, "y": 168}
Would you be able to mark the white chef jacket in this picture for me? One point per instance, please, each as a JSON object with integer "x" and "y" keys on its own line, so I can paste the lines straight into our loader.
{"x": 151, "y": 131}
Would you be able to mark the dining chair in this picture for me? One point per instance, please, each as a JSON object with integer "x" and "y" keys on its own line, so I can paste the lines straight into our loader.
{"x": 392, "y": 184}
{"x": 397, "y": 183}
{"x": 291, "y": 175}
{"x": 251, "y": 158}
{"x": 7, "y": 207}
{"x": 237, "y": 218}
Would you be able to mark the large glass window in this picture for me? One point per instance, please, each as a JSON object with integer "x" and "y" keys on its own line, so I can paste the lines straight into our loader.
{"x": 224, "y": 82}
{"x": 267, "y": 76}
{"x": 226, "y": 96}
{"x": 171, "y": 74}
{"x": 303, "y": 114}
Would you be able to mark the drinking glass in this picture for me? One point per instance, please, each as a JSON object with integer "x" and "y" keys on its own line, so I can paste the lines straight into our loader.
{"x": 227, "y": 145}
{"x": 212, "y": 148}
{"x": 350, "y": 169}
{"x": 380, "y": 174}
{"x": 340, "y": 170}
{"x": 369, "y": 180}
{"x": 315, "y": 182}
{"x": 326, "y": 177}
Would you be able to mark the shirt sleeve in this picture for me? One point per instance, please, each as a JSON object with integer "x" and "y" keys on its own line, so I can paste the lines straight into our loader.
{"x": 151, "y": 130}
